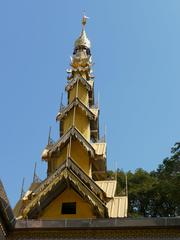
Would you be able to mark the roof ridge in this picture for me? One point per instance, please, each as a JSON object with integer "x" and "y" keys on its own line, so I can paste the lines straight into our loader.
{"x": 74, "y": 132}
{"x": 48, "y": 186}
{"x": 83, "y": 80}
{"x": 76, "y": 101}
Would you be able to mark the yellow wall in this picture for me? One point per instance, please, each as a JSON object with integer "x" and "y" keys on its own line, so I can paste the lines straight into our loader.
{"x": 68, "y": 121}
{"x": 81, "y": 122}
{"x": 80, "y": 155}
{"x": 72, "y": 94}
{"x": 53, "y": 211}
{"x": 78, "y": 152}
{"x": 61, "y": 158}
{"x": 82, "y": 93}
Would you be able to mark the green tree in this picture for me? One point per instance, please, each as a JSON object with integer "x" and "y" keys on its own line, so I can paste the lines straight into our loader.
{"x": 140, "y": 192}
{"x": 154, "y": 194}
{"x": 167, "y": 201}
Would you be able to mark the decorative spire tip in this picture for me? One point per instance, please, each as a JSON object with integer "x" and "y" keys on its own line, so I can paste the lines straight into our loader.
{"x": 83, "y": 39}
{"x": 84, "y": 20}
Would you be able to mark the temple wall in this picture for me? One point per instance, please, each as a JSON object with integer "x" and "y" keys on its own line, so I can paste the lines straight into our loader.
{"x": 68, "y": 121}
{"x": 101, "y": 229}
{"x": 72, "y": 94}
{"x": 53, "y": 211}
{"x": 61, "y": 158}
{"x": 151, "y": 234}
{"x": 80, "y": 155}
{"x": 82, "y": 123}
{"x": 82, "y": 93}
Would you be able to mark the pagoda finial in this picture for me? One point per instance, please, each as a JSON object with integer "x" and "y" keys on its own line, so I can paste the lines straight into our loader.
{"x": 83, "y": 39}
{"x": 84, "y": 20}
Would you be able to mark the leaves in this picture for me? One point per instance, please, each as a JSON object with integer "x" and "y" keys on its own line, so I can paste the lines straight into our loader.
{"x": 156, "y": 193}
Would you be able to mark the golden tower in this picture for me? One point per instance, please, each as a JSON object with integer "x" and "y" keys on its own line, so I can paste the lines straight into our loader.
{"x": 76, "y": 184}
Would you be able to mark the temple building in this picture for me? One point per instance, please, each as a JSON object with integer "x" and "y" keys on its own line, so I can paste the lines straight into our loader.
{"x": 76, "y": 185}
{"x": 77, "y": 200}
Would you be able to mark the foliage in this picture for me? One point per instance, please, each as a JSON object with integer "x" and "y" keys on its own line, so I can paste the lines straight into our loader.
{"x": 152, "y": 194}
{"x": 168, "y": 174}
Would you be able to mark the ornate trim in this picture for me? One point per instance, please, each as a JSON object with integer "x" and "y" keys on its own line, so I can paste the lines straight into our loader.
{"x": 88, "y": 84}
{"x": 53, "y": 184}
{"x": 81, "y": 105}
{"x": 73, "y": 131}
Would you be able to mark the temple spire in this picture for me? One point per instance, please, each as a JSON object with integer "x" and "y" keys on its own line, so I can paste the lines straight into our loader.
{"x": 76, "y": 186}
{"x": 83, "y": 39}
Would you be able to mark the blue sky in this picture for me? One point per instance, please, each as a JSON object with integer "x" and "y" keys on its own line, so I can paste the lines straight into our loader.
{"x": 136, "y": 50}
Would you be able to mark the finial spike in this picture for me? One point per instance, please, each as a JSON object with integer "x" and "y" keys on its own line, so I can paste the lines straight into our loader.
{"x": 49, "y": 136}
{"x": 83, "y": 39}
{"x": 36, "y": 179}
{"x": 50, "y": 140}
{"x": 61, "y": 103}
{"x": 84, "y": 20}
{"x": 22, "y": 188}
{"x": 34, "y": 176}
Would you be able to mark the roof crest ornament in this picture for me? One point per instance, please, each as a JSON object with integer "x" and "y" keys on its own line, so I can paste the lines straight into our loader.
{"x": 84, "y": 20}
{"x": 83, "y": 39}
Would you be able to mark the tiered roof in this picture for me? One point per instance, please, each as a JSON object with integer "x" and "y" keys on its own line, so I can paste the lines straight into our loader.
{"x": 92, "y": 113}
{"x": 68, "y": 173}
{"x": 57, "y": 182}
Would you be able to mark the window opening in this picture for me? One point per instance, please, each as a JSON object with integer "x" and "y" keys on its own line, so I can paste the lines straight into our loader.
{"x": 68, "y": 208}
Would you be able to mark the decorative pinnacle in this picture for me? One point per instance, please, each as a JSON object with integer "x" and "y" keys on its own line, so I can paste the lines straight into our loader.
{"x": 84, "y": 20}
{"x": 83, "y": 39}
